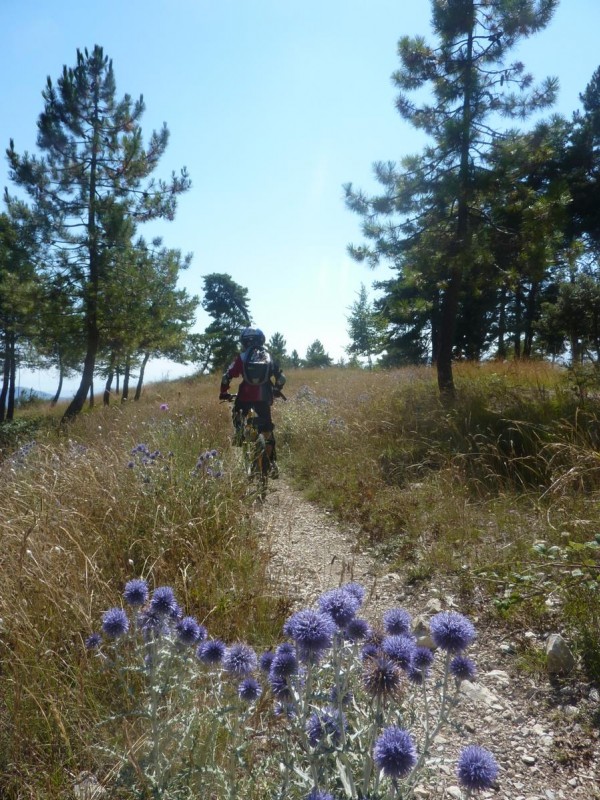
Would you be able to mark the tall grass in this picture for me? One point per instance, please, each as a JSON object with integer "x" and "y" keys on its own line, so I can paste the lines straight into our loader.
{"x": 76, "y": 522}
{"x": 465, "y": 491}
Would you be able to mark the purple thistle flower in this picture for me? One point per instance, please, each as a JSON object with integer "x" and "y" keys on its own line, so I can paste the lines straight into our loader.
{"x": 357, "y": 629}
{"x": 152, "y": 623}
{"x": 212, "y": 651}
{"x": 382, "y": 677}
{"x": 136, "y": 592}
{"x": 463, "y": 668}
{"x": 315, "y": 794}
{"x": 451, "y": 631}
{"x": 265, "y": 661}
{"x": 400, "y": 649}
{"x": 313, "y": 632}
{"x": 476, "y": 768}
{"x": 327, "y": 723}
{"x": 395, "y": 753}
{"x": 280, "y": 687}
{"x": 240, "y": 659}
{"x": 397, "y": 621}
{"x": 93, "y": 641}
{"x": 115, "y": 622}
{"x": 422, "y": 657}
{"x": 188, "y": 631}
{"x": 130, "y": 464}
{"x": 164, "y": 406}
{"x": 176, "y": 612}
{"x": 370, "y": 651}
{"x": 284, "y": 710}
{"x": 249, "y": 690}
{"x": 355, "y": 589}
{"x": 163, "y": 601}
{"x": 340, "y": 605}
{"x": 417, "y": 675}
{"x": 284, "y": 662}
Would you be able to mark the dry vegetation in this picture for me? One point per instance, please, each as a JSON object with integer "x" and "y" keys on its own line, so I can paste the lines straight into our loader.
{"x": 468, "y": 491}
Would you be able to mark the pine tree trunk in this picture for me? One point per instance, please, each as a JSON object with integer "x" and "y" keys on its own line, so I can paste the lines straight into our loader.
{"x": 126, "y": 373}
{"x": 91, "y": 395}
{"x": 5, "y": 376}
{"x": 109, "y": 380}
{"x": 501, "y": 351}
{"x": 12, "y": 379}
{"x": 138, "y": 389}
{"x": 61, "y": 375}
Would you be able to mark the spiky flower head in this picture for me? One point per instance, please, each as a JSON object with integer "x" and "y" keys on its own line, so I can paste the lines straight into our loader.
{"x": 280, "y": 687}
{"x": 189, "y": 631}
{"x": 240, "y": 660}
{"x": 382, "y": 677}
{"x": 249, "y": 690}
{"x": 462, "y": 668}
{"x": 355, "y": 589}
{"x": 357, "y": 629}
{"x": 211, "y": 652}
{"x": 340, "y": 605}
{"x": 423, "y": 657}
{"x": 115, "y": 622}
{"x": 395, "y": 753}
{"x": 136, "y": 592}
{"x": 397, "y": 621}
{"x": 400, "y": 649}
{"x": 315, "y": 794}
{"x": 93, "y": 641}
{"x": 313, "y": 632}
{"x": 284, "y": 662}
{"x": 265, "y": 660}
{"x": 477, "y": 768}
{"x": 163, "y": 601}
{"x": 451, "y": 631}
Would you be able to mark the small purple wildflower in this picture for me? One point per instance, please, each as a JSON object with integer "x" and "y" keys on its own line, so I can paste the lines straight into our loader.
{"x": 188, "y": 631}
{"x": 477, "y": 768}
{"x": 357, "y": 629}
{"x": 115, "y": 622}
{"x": 240, "y": 659}
{"x": 451, "y": 631}
{"x": 340, "y": 605}
{"x": 463, "y": 668}
{"x": 163, "y": 601}
{"x": 249, "y": 690}
{"x": 211, "y": 652}
{"x": 265, "y": 661}
{"x": 136, "y": 592}
{"x": 313, "y": 632}
{"x": 400, "y": 649}
{"x": 422, "y": 657}
{"x": 395, "y": 753}
{"x": 93, "y": 641}
{"x": 284, "y": 662}
{"x": 164, "y": 406}
{"x": 397, "y": 621}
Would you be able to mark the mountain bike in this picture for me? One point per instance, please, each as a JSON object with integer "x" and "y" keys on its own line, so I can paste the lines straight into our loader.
{"x": 257, "y": 448}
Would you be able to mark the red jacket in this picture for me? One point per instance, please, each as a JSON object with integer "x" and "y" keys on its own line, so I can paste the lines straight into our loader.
{"x": 246, "y": 391}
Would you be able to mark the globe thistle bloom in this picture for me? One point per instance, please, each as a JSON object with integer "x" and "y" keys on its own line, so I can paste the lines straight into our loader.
{"x": 400, "y": 649}
{"x": 397, "y": 621}
{"x": 163, "y": 601}
{"x": 370, "y": 651}
{"x": 422, "y": 657}
{"x": 153, "y": 624}
{"x": 462, "y": 668}
{"x": 382, "y": 677}
{"x": 249, "y": 690}
{"x": 188, "y": 631}
{"x": 93, "y": 641}
{"x": 136, "y": 592}
{"x": 451, "y": 631}
{"x": 417, "y": 675}
{"x": 284, "y": 662}
{"x": 115, "y": 622}
{"x": 164, "y": 406}
{"x": 211, "y": 652}
{"x": 315, "y": 794}
{"x": 313, "y": 632}
{"x": 280, "y": 687}
{"x": 394, "y": 752}
{"x": 357, "y": 629}
{"x": 176, "y": 612}
{"x": 240, "y": 660}
{"x": 340, "y": 605}
{"x": 327, "y": 723}
{"x": 477, "y": 768}
{"x": 355, "y": 589}
{"x": 265, "y": 661}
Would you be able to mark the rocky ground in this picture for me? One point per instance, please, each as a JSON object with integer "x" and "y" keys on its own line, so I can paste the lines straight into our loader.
{"x": 544, "y": 734}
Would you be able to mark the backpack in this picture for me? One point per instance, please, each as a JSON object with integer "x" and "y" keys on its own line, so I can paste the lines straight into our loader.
{"x": 256, "y": 366}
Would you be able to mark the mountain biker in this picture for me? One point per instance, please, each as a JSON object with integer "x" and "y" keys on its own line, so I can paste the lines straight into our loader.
{"x": 262, "y": 380}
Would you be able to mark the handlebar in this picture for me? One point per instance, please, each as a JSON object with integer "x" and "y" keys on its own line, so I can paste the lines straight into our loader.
{"x": 276, "y": 393}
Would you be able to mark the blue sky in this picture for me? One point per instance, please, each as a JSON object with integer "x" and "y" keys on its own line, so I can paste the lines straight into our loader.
{"x": 272, "y": 106}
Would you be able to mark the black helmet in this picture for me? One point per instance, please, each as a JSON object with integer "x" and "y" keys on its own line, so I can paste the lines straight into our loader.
{"x": 252, "y": 337}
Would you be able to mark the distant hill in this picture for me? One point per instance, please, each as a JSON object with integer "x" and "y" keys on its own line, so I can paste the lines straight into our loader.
{"x": 23, "y": 394}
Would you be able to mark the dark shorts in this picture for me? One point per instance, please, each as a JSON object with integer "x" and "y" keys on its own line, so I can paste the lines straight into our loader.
{"x": 263, "y": 410}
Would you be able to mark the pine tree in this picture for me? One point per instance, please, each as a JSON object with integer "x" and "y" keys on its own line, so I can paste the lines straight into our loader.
{"x": 91, "y": 186}
{"x": 227, "y": 302}
{"x": 435, "y": 193}
{"x": 316, "y": 356}
{"x": 365, "y": 328}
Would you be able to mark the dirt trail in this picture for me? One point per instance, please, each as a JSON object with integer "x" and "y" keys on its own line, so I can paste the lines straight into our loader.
{"x": 538, "y": 733}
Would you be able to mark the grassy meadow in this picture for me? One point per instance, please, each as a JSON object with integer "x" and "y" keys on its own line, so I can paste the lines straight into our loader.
{"x": 499, "y": 493}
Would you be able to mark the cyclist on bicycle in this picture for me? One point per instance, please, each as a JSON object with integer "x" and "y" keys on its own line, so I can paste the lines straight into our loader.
{"x": 262, "y": 380}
